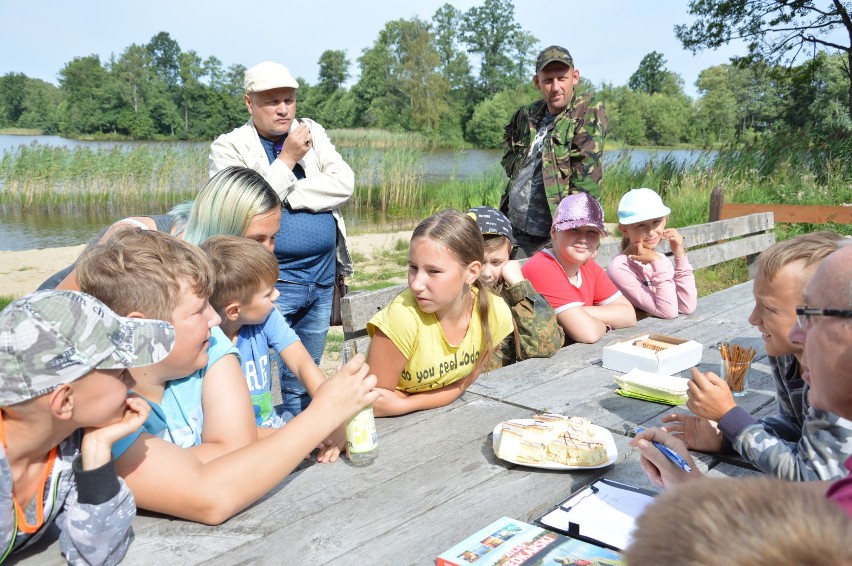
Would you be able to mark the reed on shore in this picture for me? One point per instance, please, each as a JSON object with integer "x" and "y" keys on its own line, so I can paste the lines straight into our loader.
{"x": 42, "y": 178}
{"x": 392, "y": 183}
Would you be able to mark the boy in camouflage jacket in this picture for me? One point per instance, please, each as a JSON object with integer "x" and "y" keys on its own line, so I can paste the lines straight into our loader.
{"x": 537, "y": 334}
{"x": 64, "y": 359}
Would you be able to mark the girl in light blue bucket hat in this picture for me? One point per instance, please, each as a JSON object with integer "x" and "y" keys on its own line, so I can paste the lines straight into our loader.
{"x": 647, "y": 278}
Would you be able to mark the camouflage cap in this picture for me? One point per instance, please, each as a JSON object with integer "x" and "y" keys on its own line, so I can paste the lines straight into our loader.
{"x": 491, "y": 221}
{"x": 552, "y": 54}
{"x": 50, "y": 338}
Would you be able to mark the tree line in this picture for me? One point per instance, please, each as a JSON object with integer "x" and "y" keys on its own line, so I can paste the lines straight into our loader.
{"x": 455, "y": 79}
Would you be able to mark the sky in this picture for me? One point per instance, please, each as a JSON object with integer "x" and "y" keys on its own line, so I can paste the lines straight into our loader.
{"x": 607, "y": 38}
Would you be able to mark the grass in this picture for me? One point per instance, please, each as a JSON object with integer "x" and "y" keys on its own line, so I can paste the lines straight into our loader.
{"x": 462, "y": 194}
{"x": 383, "y": 269}
{"x": 20, "y": 132}
{"x": 334, "y": 341}
{"x": 5, "y": 300}
{"x": 721, "y": 276}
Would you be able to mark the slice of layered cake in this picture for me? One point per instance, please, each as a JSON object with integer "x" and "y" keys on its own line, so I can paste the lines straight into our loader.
{"x": 577, "y": 442}
{"x": 574, "y": 452}
{"x": 516, "y": 444}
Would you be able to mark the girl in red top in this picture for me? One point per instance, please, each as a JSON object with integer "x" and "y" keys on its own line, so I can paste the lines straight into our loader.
{"x": 586, "y": 302}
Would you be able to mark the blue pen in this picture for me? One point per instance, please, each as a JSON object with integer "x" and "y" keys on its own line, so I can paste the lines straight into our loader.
{"x": 670, "y": 454}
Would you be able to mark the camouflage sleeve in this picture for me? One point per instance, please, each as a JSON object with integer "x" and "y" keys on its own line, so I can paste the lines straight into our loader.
{"x": 515, "y": 142}
{"x": 587, "y": 151}
{"x": 789, "y": 389}
{"x": 825, "y": 443}
{"x": 96, "y": 520}
{"x": 537, "y": 334}
{"x": 782, "y": 427}
{"x": 504, "y": 354}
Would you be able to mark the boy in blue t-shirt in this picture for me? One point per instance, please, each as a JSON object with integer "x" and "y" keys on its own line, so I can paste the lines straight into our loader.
{"x": 201, "y": 439}
{"x": 244, "y": 297}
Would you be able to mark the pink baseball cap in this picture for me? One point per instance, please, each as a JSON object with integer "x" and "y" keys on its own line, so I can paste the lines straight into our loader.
{"x": 579, "y": 210}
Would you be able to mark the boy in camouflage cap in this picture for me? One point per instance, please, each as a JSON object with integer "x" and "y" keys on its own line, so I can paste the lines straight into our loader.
{"x": 64, "y": 357}
{"x": 537, "y": 333}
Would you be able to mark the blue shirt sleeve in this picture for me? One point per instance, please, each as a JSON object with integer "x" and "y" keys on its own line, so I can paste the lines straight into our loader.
{"x": 278, "y": 333}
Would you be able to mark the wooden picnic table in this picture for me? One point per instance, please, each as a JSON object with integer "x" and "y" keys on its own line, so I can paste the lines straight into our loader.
{"x": 437, "y": 479}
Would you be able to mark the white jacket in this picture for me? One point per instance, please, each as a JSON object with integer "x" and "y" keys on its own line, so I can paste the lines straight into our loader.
{"x": 328, "y": 184}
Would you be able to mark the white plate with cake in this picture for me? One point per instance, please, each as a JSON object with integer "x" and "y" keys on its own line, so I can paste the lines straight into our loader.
{"x": 554, "y": 442}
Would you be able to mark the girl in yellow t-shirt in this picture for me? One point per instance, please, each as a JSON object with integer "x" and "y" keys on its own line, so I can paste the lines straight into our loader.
{"x": 432, "y": 341}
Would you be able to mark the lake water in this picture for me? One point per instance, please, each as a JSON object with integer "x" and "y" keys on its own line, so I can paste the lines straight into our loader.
{"x": 51, "y": 229}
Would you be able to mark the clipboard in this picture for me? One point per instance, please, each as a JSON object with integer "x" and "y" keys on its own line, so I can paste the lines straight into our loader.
{"x": 602, "y": 513}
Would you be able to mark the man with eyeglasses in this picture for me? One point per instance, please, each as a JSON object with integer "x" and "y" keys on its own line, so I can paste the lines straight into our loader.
{"x": 824, "y": 332}
{"x": 792, "y": 444}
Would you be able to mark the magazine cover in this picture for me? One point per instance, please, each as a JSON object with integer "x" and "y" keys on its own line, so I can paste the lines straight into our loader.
{"x": 508, "y": 542}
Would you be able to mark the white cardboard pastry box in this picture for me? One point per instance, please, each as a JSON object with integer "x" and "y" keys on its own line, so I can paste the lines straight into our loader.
{"x": 655, "y": 353}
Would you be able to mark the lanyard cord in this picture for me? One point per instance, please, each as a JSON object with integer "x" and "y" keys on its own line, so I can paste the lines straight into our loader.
{"x": 21, "y": 522}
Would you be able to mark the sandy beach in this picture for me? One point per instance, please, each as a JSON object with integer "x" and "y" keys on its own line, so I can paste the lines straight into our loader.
{"x": 22, "y": 272}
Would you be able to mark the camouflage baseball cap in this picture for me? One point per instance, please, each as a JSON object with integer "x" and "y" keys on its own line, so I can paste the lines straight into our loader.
{"x": 552, "y": 54}
{"x": 50, "y": 338}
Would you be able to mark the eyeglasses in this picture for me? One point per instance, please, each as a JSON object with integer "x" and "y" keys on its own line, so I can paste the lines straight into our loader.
{"x": 804, "y": 314}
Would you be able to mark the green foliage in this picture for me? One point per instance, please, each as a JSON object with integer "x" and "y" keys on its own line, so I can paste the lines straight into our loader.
{"x": 716, "y": 115}
{"x": 504, "y": 49}
{"x": 333, "y": 70}
{"x": 625, "y": 114}
{"x": 775, "y": 31}
{"x": 5, "y": 300}
{"x": 401, "y": 86}
{"x": 485, "y": 128}
{"x": 652, "y": 77}
{"x": 667, "y": 118}
{"x": 12, "y": 98}
{"x": 28, "y": 103}
{"x": 417, "y": 76}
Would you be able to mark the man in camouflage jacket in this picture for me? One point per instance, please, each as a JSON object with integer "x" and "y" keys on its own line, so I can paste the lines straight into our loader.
{"x": 554, "y": 147}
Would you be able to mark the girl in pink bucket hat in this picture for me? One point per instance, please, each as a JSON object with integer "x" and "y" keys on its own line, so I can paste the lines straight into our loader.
{"x": 586, "y": 302}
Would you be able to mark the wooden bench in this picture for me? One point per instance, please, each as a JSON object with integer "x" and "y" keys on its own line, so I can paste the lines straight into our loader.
{"x": 707, "y": 244}
{"x": 784, "y": 213}
{"x": 715, "y": 242}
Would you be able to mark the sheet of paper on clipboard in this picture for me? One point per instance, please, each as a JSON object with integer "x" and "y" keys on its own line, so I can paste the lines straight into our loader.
{"x": 604, "y": 512}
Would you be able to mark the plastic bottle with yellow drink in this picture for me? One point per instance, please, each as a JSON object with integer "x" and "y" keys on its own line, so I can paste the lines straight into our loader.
{"x": 362, "y": 441}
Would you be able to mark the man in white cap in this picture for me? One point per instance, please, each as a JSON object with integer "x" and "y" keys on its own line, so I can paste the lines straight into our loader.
{"x": 299, "y": 161}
